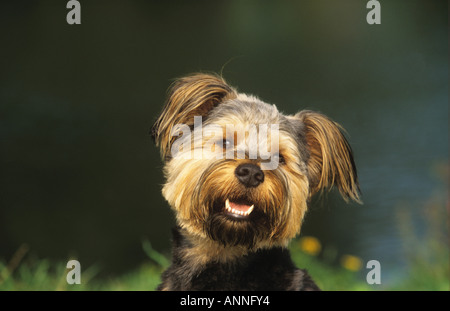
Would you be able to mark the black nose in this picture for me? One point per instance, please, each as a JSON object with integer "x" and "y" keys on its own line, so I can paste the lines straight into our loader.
{"x": 250, "y": 175}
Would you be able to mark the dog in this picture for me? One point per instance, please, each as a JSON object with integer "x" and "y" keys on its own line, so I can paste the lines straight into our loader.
{"x": 240, "y": 193}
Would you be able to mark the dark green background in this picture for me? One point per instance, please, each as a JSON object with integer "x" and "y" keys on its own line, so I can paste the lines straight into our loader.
{"x": 80, "y": 175}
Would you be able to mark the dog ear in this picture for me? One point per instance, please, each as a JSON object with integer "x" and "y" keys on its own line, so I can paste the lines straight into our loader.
{"x": 330, "y": 160}
{"x": 194, "y": 95}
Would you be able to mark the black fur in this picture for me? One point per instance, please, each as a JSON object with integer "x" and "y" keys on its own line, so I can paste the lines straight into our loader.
{"x": 230, "y": 231}
{"x": 265, "y": 269}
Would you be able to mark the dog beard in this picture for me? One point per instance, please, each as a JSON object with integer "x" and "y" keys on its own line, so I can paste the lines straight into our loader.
{"x": 234, "y": 231}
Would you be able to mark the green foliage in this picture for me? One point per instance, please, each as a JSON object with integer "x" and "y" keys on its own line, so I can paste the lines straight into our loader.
{"x": 45, "y": 275}
{"x": 37, "y": 276}
{"x": 427, "y": 254}
{"x": 328, "y": 277}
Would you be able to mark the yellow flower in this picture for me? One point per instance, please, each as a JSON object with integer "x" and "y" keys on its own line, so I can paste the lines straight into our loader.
{"x": 310, "y": 245}
{"x": 351, "y": 262}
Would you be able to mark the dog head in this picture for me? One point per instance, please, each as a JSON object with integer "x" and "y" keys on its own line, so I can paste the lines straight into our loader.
{"x": 238, "y": 171}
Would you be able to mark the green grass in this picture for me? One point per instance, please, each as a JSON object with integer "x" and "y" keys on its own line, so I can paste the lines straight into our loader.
{"x": 42, "y": 274}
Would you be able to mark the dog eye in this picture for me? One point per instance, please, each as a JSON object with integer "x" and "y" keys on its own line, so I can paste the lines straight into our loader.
{"x": 278, "y": 157}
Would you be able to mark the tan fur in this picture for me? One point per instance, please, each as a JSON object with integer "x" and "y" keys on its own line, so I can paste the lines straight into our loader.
{"x": 330, "y": 161}
{"x": 206, "y": 250}
{"x": 189, "y": 96}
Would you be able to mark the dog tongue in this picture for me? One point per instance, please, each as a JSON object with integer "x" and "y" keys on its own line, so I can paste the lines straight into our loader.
{"x": 239, "y": 207}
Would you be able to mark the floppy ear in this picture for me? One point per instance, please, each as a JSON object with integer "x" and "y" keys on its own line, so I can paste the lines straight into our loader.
{"x": 194, "y": 95}
{"x": 330, "y": 160}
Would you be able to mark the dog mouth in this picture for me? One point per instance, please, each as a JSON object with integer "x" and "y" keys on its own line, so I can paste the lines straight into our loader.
{"x": 238, "y": 208}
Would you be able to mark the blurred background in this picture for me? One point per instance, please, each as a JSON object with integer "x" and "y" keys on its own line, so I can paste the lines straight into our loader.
{"x": 81, "y": 178}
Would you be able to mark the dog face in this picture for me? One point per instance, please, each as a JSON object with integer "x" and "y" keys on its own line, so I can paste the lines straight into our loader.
{"x": 231, "y": 180}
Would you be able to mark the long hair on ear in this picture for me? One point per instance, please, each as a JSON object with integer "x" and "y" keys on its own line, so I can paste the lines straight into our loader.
{"x": 331, "y": 160}
{"x": 193, "y": 95}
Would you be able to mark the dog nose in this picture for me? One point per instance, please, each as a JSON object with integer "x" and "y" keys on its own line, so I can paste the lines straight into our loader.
{"x": 250, "y": 175}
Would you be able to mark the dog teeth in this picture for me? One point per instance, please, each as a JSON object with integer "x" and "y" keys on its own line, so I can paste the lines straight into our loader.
{"x": 227, "y": 205}
{"x": 237, "y": 212}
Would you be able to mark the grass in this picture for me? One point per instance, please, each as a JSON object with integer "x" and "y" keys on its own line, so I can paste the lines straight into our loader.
{"x": 41, "y": 274}
{"x": 37, "y": 275}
